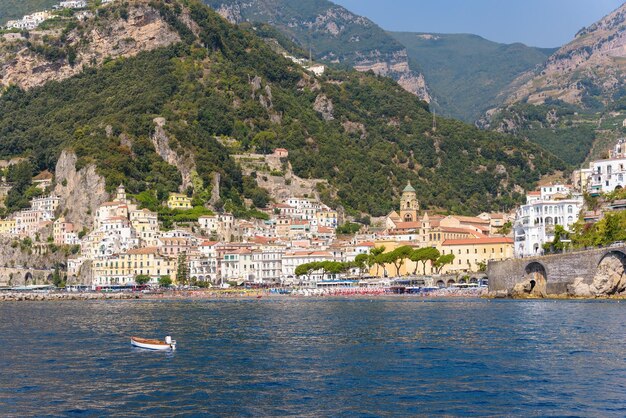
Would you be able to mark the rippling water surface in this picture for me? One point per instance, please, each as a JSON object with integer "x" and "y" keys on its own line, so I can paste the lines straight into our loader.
{"x": 393, "y": 357}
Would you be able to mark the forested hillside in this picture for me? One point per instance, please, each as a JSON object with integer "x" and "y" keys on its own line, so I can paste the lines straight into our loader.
{"x": 222, "y": 90}
{"x": 333, "y": 34}
{"x": 467, "y": 73}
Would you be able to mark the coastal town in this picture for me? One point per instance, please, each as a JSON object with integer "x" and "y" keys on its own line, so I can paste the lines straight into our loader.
{"x": 127, "y": 244}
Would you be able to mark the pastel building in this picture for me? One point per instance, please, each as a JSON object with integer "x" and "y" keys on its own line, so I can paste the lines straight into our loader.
{"x": 178, "y": 201}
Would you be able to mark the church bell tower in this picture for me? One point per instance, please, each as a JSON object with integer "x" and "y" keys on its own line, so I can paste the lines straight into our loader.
{"x": 409, "y": 206}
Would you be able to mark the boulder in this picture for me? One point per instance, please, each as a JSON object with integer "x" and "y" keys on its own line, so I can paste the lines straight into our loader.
{"x": 610, "y": 278}
{"x": 579, "y": 288}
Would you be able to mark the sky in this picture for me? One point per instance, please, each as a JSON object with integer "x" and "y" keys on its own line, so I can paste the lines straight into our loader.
{"x": 542, "y": 23}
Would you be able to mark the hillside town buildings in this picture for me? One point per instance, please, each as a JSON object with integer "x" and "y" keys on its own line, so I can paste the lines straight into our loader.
{"x": 125, "y": 241}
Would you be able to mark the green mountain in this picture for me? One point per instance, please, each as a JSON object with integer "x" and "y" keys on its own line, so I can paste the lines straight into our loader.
{"x": 468, "y": 73}
{"x": 15, "y": 9}
{"x": 333, "y": 34}
{"x": 145, "y": 71}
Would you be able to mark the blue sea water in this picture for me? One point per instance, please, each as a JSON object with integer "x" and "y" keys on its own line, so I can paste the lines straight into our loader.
{"x": 312, "y": 357}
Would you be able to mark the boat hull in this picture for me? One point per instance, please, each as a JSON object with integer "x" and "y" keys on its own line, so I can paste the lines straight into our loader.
{"x": 152, "y": 345}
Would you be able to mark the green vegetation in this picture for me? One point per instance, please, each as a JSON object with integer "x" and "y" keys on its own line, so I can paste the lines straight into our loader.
{"x": 165, "y": 281}
{"x": 205, "y": 93}
{"x": 149, "y": 199}
{"x": 326, "y": 267}
{"x": 182, "y": 272}
{"x": 467, "y": 73}
{"x": 324, "y": 44}
{"x": 563, "y": 129}
{"x": 349, "y": 228}
{"x": 611, "y": 228}
{"x": 20, "y": 176}
{"x": 142, "y": 279}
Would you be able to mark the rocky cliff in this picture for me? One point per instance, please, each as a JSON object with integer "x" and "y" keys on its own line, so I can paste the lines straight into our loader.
{"x": 33, "y": 62}
{"x": 81, "y": 192}
{"x": 183, "y": 162}
{"x": 590, "y": 68}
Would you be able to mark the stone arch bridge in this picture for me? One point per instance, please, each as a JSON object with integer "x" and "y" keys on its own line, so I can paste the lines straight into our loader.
{"x": 551, "y": 274}
{"x": 24, "y": 276}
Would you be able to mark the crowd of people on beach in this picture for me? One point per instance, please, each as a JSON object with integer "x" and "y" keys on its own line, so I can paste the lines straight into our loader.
{"x": 314, "y": 292}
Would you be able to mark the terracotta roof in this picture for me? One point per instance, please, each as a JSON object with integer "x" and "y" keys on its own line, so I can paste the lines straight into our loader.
{"x": 243, "y": 251}
{"x": 534, "y": 193}
{"x": 366, "y": 244}
{"x": 324, "y": 229}
{"x": 145, "y": 250}
{"x": 280, "y": 149}
{"x": 471, "y": 219}
{"x": 479, "y": 241}
{"x": 209, "y": 243}
{"x": 44, "y": 175}
{"x": 110, "y": 204}
{"x": 455, "y": 229}
{"x": 308, "y": 254}
{"x": 408, "y": 225}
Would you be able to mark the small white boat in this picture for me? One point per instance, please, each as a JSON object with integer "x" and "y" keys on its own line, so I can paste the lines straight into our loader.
{"x": 149, "y": 344}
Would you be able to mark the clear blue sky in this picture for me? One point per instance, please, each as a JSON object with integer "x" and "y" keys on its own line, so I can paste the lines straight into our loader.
{"x": 544, "y": 23}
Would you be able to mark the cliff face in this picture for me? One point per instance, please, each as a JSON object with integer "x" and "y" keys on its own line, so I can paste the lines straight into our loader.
{"x": 592, "y": 66}
{"x": 81, "y": 192}
{"x": 27, "y": 67}
{"x": 334, "y": 35}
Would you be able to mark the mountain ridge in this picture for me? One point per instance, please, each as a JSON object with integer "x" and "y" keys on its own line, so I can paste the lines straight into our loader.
{"x": 334, "y": 34}
{"x": 220, "y": 91}
{"x": 467, "y": 72}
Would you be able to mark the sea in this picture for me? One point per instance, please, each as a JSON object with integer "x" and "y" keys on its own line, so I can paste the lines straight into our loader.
{"x": 401, "y": 356}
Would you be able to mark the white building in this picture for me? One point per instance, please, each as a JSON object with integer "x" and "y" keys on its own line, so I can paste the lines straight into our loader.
{"x": 73, "y": 4}
{"x": 268, "y": 264}
{"x": 292, "y": 259}
{"x": 47, "y": 204}
{"x": 607, "y": 175}
{"x": 29, "y": 22}
{"x": 535, "y": 221}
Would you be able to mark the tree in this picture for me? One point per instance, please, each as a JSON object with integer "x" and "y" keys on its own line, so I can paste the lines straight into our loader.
{"x": 165, "y": 281}
{"x": 307, "y": 269}
{"x": 557, "y": 245}
{"x": 57, "y": 279}
{"x": 361, "y": 262}
{"x": 506, "y": 228}
{"x": 442, "y": 261}
{"x": 424, "y": 255}
{"x": 182, "y": 272}
{"x": 142, "y": 279}
{"x": 374, "y": 255}
{"x": 416, "y": 256}
{"x": 399, "y": 255}
{"x": 263, "y": 141}
{"x": 482, "y": 266}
